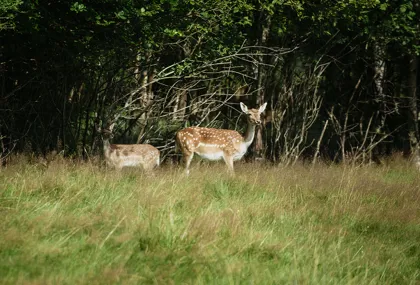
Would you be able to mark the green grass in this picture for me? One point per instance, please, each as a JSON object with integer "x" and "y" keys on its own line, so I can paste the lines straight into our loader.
{"x": 80, "y": 224}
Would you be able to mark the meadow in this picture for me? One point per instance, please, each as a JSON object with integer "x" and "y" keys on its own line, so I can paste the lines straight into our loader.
{"x": 79, "y": 223}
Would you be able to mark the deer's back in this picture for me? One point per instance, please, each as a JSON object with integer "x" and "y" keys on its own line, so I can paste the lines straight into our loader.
{"x": 194, "y": 137}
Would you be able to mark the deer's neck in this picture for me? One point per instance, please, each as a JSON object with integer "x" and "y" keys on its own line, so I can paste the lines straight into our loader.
{"x": 249, "y": 135}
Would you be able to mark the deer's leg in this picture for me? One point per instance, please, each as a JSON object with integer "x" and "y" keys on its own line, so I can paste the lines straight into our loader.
{"x": 118, "y": 166}
{"x": 228, "y": 158}
{"x": 151, "y": 163}
{"x": 148, "y": 169}
{"x": 187, "y": 157}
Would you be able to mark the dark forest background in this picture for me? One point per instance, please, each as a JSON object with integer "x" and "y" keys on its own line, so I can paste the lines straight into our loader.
{"x": 339, "y": 77}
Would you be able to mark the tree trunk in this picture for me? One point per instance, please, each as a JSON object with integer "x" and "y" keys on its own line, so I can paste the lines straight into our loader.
{"x": 414, "y": 112}
{"x": 146, "y": 100}
{"x": 180, "y": 105}
{"x": 265, "y": 30}
{"x": 379, "y": 53}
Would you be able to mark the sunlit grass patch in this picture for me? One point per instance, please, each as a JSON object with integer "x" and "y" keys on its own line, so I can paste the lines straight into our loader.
{"x": 80, "y": 223}
{"x": 399, "y": 176}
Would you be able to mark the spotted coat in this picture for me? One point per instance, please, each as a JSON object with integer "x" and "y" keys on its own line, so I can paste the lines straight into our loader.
{"x": 122, "y": 155}
{"x": 217, "y": 144}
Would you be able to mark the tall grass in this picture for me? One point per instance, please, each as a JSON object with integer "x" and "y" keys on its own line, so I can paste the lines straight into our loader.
{"x": 81, "y": 224}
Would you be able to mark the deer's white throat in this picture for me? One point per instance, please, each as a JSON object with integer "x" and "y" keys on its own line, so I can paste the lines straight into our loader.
{"x": 249, "y": 135}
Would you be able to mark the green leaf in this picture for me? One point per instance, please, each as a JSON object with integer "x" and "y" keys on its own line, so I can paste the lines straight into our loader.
{"x": 121, "y": 15}
{"x": 383, "y": 6}
{"x": 78, "y": 7}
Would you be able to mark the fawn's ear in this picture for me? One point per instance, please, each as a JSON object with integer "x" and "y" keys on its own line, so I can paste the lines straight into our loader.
{"x": 244, "y": 108}
{"x": 262, "y": 108}
{"x": 111, "y": 127}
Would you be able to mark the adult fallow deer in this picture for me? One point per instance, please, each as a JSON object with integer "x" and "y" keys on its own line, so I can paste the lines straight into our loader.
{"x": 122, "y": 155}
{"x": 217, "y": 144}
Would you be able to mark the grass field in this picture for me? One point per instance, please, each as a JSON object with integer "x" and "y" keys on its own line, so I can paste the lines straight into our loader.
{"x": 81, "y": 224}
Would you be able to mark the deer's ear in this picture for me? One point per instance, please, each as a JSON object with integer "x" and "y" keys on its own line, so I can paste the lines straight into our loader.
{"x": 111, "y": 127}
{"x": 262, "y": 108}
{"x": 244, "y": 108}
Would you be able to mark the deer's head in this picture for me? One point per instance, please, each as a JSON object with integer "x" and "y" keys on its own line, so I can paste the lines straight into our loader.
{"x": 253, "y": 115}
{"x": 106, "y": 132}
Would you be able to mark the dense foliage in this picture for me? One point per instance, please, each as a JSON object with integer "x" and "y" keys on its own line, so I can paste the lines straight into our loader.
{"x": 340, "y": 76}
